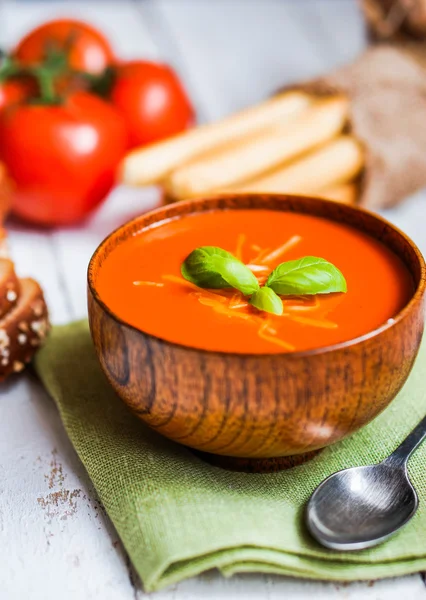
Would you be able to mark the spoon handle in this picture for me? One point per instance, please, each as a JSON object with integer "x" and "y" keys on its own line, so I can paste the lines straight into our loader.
{"x": 400, "y": 456}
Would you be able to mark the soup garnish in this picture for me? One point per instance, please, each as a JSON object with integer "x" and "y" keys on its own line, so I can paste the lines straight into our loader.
{"x": 212, "y": 267}
{"x": 309, "y": 275}
{"x": 267, "y": 300}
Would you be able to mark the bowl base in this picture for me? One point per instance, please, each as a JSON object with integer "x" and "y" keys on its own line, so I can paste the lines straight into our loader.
{"x": 256, "y": 465}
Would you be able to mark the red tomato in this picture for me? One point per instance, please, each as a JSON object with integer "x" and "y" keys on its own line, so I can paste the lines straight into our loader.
{"x": 13, "y": 91}
{"x": 87, "y": 49}
{"x": 152, "y": 101}
{"x": 62, "y": 157}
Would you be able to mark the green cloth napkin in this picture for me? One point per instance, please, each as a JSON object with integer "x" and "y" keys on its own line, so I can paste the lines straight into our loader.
{"x": 178, "y": 516}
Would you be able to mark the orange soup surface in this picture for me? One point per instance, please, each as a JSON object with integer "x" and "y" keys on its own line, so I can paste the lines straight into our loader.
{"x": 140, "y": 281}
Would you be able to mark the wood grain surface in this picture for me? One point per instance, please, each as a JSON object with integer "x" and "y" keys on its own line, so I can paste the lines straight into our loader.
{"x": 260, "y": 406}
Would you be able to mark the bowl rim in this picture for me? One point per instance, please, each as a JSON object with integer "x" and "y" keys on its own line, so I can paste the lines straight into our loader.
{"x": 416, "y": 297}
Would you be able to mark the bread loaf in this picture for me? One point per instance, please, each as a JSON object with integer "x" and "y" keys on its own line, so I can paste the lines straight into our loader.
{"x": 23, "y": 329}
{"x": 9, "y": 286}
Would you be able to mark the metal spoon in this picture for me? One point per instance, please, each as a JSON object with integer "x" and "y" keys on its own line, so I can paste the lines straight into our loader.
{"x": 363, "y": 506}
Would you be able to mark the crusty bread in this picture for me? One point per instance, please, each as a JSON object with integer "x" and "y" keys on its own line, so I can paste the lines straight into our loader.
{"x": 9, "y": 286}
{"x": 23, "y": 329}
{"x": 24, "y": 320}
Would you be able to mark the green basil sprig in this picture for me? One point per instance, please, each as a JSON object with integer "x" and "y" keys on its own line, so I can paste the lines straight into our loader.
{"x": 214, "y": 268}
{"x": 308, "y": 275}
{"x": 267, "y": 300}
{"x": 211, "y": 267}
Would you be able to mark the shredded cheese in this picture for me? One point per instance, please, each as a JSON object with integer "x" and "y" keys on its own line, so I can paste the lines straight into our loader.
{"x": 211, "y": 296}
{"x": 221, "y": 308}
{"x": 258, "y": 258}
{"x": 270, "y": 329}
{"x": 240, "y": 243}
{"x": 273, "y": 339}
{"x": 240, "y": 305}
{"x": 290, "y": 306}
{"x": 237, "y": 301}
{"x": 257, "y": 268}
{"x": 278, "y": 252}
{"x": 149, "y": 283}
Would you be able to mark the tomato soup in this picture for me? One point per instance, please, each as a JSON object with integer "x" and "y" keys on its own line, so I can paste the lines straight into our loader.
{"x": 141, "y": 282}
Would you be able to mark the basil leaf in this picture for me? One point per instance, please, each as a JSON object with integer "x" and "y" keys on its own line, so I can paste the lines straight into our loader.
{"x": 198, "y": 268}
{"x": 211, "y": 267}
{"x": 308, "y": 275}
{"x": 267, "y": 300}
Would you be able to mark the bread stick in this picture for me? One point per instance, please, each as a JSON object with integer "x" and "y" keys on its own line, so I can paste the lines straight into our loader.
{"x": 338, "y": 161}
{"x": 266, "y": 151}
{"x": 150, "y": 164}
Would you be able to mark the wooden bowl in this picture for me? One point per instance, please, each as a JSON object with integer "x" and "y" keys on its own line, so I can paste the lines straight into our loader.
{"x": 259, "y": 412}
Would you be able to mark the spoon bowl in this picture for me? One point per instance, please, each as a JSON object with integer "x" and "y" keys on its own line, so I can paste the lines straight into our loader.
{"x": 360, "y": 507}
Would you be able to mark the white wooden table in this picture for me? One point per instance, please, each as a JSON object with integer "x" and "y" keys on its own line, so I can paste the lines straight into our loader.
{"x": 55, "y": 541}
